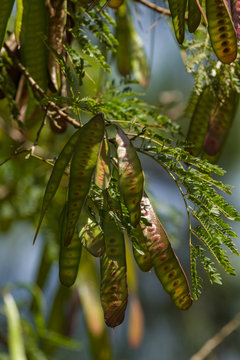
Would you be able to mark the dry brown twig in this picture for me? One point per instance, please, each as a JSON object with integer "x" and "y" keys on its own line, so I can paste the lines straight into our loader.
{"x": 217, "y": 339}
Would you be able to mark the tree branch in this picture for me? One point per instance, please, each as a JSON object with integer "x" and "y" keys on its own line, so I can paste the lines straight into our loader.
{"x": 217, "y": 339}
{"x": 158, "y": 9}
{"x": 39, "y": 91}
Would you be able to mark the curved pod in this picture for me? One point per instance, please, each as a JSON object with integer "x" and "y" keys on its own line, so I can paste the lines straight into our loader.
{"x": 177, "y": 8}
{"x": 83, "y": 164}
{"x": 131, "y": 179}
{"x": 194, "y": 15}
{"x": 165, "y": 262}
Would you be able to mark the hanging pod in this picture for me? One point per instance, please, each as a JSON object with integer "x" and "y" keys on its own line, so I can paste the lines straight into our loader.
{"x": 165, "y": 262}
{"x": 199, "y": 121}
{"x": 56, "y": 175}
{"x": 235, "y": 11}
{"x": 219, "y": 125}
{"x": 82, "y": 168}
{"x": 221, "y": 30}
{"x": 194, "y": 15}
{"x": 140, "y": 250}
{"x": 123, "y": 36}
{"x": 113, "y": 288}
{"x": 131, "y": 179}
{"x": 177, "y": 8}
{"x": 69, "y": 257}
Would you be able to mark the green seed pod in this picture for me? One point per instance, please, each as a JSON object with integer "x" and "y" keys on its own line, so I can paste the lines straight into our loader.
{"x": 56, "y": 175}
{"x": 221, "y": 30}
{"x": 143, "y": 258}
{"x": 114, "y": 290}
{"x": 69, "y": 257}
{"x": 114, "y": 4}
{"x": 194, "y": 15}
{"x": 177, "y": 8}
{"x": 219, "y": 125}
{"x": 5, "y": 12}
{"x": 83, "y": 164}
{"x": 103, "y": 169}
{"x": 123, "y": 36}
{"x": 131, "y": 179}
{"x": 199, "y": 122}
{"x": 165, "y": 262}
{"x": 34, "y": 29}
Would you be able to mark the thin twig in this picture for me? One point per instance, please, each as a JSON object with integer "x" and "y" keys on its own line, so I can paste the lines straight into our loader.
{"x": 156, "y": 8}
{"x": 217, "y": 339}
{"x": 39, "y": 91}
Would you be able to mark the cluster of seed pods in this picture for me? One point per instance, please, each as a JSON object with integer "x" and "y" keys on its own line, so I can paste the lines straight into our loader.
{"x": 99, "y": 227}
{"x": 223, "y": 22}
{"x": 210, "y": 124}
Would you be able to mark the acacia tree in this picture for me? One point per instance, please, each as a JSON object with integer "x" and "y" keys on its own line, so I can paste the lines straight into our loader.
{"x": 83, "y": 178}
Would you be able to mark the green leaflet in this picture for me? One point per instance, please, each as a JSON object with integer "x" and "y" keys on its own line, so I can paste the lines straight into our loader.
{"x": 199, "y": 122}
{"x": 194, "y": 15}
{"x": 113, "y": 290}
{"x": 82, "y": 169}
{"x": 5, "y": 12}
{"x": 143, "y": 258}
{"x": 33, "y": 49}
{"x": 15, "y": 338}
{"x": 131, "y": 179}
{"x": 220, "y": 122}
{"x": 221, "y": 30}
{"x": 69, "y": 257}
{"x": 165, "y": 262}
{"x": 56, "y": 175}
{"x": 103, "y": 169}
{"x": 123, "y": 35}
{"x": 177, "y": 8}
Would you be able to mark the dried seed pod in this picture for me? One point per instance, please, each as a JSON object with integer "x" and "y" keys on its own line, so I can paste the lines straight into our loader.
{"x": 177, "y": 8}
{"x": 69, "y": 257}
{"x": 194, "y": 15}
{"x": 221, "y": 30}
{"x": 83, "y": 164}
{"x": 165, "y": 262}
{"x": 219, "y": 125}
{"x": 56, "y": 175}
{"x": 235, "y": 10}
{"x": 114, "y": 290}
{"x": 199, "y": 121}
{"x": 142, "y": 255}
{"x": 131, "y": 178}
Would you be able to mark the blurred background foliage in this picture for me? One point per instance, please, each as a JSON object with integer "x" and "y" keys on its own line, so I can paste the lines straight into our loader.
{"x": 153, "y": 327}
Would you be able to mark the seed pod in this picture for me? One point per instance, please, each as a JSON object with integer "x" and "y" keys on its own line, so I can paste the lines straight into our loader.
{"x": 177, "y": 8}
{"x": 5, "y": 12}
{"x": 69, "y": 257}
{"x": 221, "y": 30}
{"x": 165, "y": 262}
{"x": 92, "y": 238}
{"x": 219, "y": 125}
{"x": 81, "y": 171}
{"x": 131, "y": 178}
{"x": 34, "y": 28}
{"x": 57, "y": 20}
{"x": 114, "y": 290}
{"x": 123, "y": 36}
{"x": 199, "y": 122}
{"x": 194, "y": 15}
{"x": 235, "y": 10}
{"x": 143, "y": 258}
{"x": 103, "y": 170}
{"x": 56, "y": 175}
